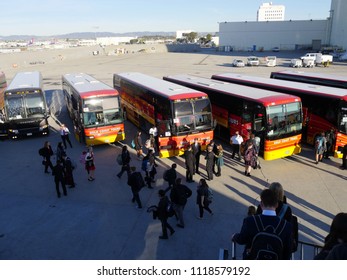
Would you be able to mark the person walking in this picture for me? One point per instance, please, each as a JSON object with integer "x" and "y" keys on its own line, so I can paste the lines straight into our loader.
{"x": 89, "y": 162}
{"x": 125, "y": 161}
{"x": 138, "y": 145}
{"x": 136, "y": 182}
{"x": 68, "y": 168}
{"x": 202, "y": 198}
{"x": 219, "y": 161}
{"x": 46, "y": 153}
{"x": 190, "y": 164}
{"x": 250, "y": 158}
{"x": 196, "y": 149}
{"x": 179, "y": 195}
{"x": 59, "y": 178}
{"x": 60, "y": 151}
{"x": 162, "y": 214}
{"x": 64, "y": 134}
{"x": 170, "y": 176}
{"x": 154, "y": 132}
{"x": 236, "y": 140}
{"x": 148, "y": 165}
{"x": 253, "y": 224}
{"x": 210, "y": 158}
{"x": 320, "y": 147}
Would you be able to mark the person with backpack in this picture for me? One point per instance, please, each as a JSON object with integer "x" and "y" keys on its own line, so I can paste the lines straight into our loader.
{"x": 136, "y": 182}
{"x": 320, "y": 147}
{"x": 265, "y": 236}
{"x": 162, "y": 214}
{"x": 125, "y": 156}
{"x": 250, "y": 158}
{"x": 203, "y": 198}
{"x": 148, "y": 166}
{"x": 179, "y": 195}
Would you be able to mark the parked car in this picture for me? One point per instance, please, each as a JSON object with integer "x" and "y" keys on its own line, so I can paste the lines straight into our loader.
{"x": 276, "y": 49}
{"x": 271, "y": 61}
{"x": 238, "y": 63}
{"x": 252, "y": 61}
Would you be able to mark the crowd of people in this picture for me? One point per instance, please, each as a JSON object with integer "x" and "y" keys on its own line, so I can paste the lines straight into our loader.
{"x": 273, "y": 216}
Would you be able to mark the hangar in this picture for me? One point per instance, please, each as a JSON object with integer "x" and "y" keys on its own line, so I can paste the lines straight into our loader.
{"x": 287, "y": 35}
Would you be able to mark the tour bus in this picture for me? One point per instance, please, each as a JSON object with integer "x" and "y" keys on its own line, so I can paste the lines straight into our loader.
{"x": 94, "y": 109}
{"x": 25, "y": 107}
{"x": 311, "y": 78}
{"x": 3, "y": 124}
{"x": 324, "y": 108}
{"x": 179, "y": 113}
{"x": 273, "y": 117}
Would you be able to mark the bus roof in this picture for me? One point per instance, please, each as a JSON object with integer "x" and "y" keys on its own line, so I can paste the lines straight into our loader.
{"x": 164, "y": 88}
{"x": 266, "y": 97}
{"x": 313, "y": 75}
{"x": 310, "y": 89}
{"x": 26, "y": 80}
{"x": 88, "y": 86}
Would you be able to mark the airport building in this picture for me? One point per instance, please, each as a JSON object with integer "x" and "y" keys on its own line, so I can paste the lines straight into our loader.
{"x": 287, "y": 35}
{"x": 269, "y": 12}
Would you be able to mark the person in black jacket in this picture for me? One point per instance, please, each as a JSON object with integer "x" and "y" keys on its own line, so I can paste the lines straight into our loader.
{"x": 196, "y": 149}
{"x": 179, "y": 195}
{"x": 268, "y": 217}
{"x": 47, "y": 152}
{"x": 170, "y": 175}
{"x": 162, "y": 214}
{"x": 210, "y": 161}
{"x": 59, "y": 177}
{"x": 125, "y": 162}
{"x": 190, "y": 164}
{"x": 68, "y": 168}
{"x": 136, "y": 182}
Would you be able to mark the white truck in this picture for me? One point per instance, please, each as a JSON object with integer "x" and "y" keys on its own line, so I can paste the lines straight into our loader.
{"x": 318, "y": 58}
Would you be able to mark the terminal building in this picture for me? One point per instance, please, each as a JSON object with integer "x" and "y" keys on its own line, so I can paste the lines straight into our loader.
{"x": 287, "y": 35}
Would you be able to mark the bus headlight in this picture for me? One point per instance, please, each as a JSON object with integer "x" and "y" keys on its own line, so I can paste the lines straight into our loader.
{"x": 43, "y": 127}
{"x": 14, "y": 131}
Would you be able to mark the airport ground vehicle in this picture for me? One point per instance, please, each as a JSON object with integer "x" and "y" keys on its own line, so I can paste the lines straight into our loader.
{"x": 25, "y": 107}
{"x": 273, "y": 117}
{"x": 318, "y": 58}
{"x": 296, "y": 63}
{"x": 252, "y": 61}
{"x": 179, "y": 113}
{"x": 94, "y": 108}
{"x": 324, "y": 108}
{"x": 238, "y": 63}
{"x": 311, "y": 78}
{"x": 271, "y": 61}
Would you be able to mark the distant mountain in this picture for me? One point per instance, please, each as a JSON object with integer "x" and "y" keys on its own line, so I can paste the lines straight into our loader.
{"x": 86, "y": 35}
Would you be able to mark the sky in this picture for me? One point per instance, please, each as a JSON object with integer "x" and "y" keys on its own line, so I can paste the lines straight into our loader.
{"x": 54, "y": 17}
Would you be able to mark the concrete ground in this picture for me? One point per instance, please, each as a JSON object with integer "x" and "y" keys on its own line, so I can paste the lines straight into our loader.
{"x": 97, "y": 219}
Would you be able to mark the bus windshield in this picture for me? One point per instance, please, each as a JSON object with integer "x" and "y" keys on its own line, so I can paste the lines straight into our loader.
{"x": 101, "y": 111}
{"x": 343, "y": 117}
{"x": 284, "y": 120}
{"x": 191, "y": 115}
{"x": 25, "y": 106}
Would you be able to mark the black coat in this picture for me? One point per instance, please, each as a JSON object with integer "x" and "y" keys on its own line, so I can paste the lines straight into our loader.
{"x": 190, "y": 161}
{"x": 179, "y": 194}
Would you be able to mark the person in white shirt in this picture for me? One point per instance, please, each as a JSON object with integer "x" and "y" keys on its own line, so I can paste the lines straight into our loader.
{"x": 154, "y": 131}
{"x": 64, "y": 133}
{"x": 236, "y": 141}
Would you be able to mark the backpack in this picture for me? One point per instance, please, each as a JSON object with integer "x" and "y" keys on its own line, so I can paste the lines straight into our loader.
{"x": 42, "y": 152}
{"x": 209, "y": 195}
{"x": 120, "y": 159}
{"x": 266, "y": 244}
{"x": 295, "y": 233}
{"x": 144, "y": 164}
{"x": 169, "y": 209}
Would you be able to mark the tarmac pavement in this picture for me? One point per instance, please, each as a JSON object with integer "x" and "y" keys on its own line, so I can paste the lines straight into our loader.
{"x": 98, "y": 221}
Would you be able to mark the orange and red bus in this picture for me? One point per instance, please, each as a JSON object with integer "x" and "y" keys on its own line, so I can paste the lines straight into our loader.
{"x": 179, "y": 113}
{"x": 94, "y": 108}
{"x": 324, "y": 108}
{"x": 311, "y": 78}
{"x": 273, "y": 117}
